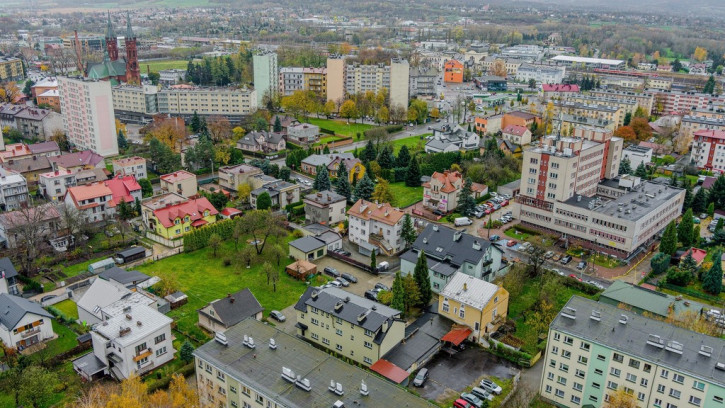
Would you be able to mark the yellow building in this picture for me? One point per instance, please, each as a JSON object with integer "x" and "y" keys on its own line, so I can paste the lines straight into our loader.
{"x": 475, "y": 303}
{"x": 11, "y": 69}
{"x": 174, "y": 220}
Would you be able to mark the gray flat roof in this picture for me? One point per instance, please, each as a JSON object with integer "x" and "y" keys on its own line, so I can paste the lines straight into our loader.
{"x": 307, "y": 244}
{"x": 639, "y": 202}
{"x": 261, "y": 368}
{"x": 631, "y": 338}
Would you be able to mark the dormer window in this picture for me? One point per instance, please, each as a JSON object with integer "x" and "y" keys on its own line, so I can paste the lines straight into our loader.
{"x": 206, "y": 213}
{"x": 177, "y": 221}
{"x": 186, "y": 219}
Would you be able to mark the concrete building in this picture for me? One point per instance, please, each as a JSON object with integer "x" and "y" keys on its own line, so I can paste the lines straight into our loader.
{"x": 88, "y": 115}
{"x": 453, "y": 72}
{"x": 567, "y": 122}
{"x": 293, "y": 79}
{"x": 130, "y": 166}
{"x": 370, "y": 329}
{"x": 399, "y": 82}
{"x": 644, "y": 100}
{"x": 133, "y": 103}
{"x": 171, "y": 76}
{"x": 230, "y": 177}
{"x": 229, "y": 102}
{"x": 709, "y": 150}
{"x": 23, "y": 323}
{"x": 422, "y": 81}
{"x": 307, "y": 248}
{"x": 373, "y": 225}
{"x": 221, "y": 314}
{"x": 98, "y": 201}
{"x": 13, "y": 190}
{"x": 266, "y": 74}
{"x": 11, "y": 69}
{"x": 692, "y": 124}
{"x": 449, "y": 251}
{"x": 637, "y": 155}
{"x": 281, "y": 192}
{"x": 242, "y": 368}
{"x": 303, "y": 134}
{"x": 180, "y": 182}
{"x": 54, "y": 184}
{"x": 336, "y": 78}
{"x": 627, "y": 105}
{"x": 516, "y": 134}
{"x": 325, "y": 207}
{"x": 542, "y": 74}
{"x": 668, "y": 102}
{"x": 37, "y": 123}
{"x": 584, "y": 62}
{"x": 595, "y": 349}
{"x": 591, "y": 110}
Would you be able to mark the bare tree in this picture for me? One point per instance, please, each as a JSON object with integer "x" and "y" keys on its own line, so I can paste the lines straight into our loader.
{"x": 27, "y": 227}
{"x": 522, "y": 398}
{"x": 262, "y": 225}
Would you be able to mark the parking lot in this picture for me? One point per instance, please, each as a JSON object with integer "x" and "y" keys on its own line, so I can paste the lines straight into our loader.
{"x": 450, "y": 375}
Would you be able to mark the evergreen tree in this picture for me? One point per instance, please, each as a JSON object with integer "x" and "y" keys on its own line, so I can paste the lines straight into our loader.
{"x": 712, "y": 279}
{"x": 364, "y": 188}
{"x": 373, "y": 261}
{"x": 720, "y": 224}
{"x": 137, "y": 207}
{"x": 342, "y": 185}
{"x": 124, "y": 211}
{"x": 186, "y": 353}
{"x": 322, "y": 179}
{"x": 368, "y": 154}
{"x": 403, "y": 157}
{"x": 668, "y": 244}
{"x": 625, "y": 167}
{"x": 627, "y": 118}
{"x": 398, "y": 301}
{"x": 695, "y": 235}
{"x": 122, "y": 142}
{"x": 407, "y": 233}
{"x": 326, "y": 150}
{"x": 412, "y": 179}
{"x": 277, "y": 124}
{"x": 717, "y": 192}
{"x": 466, "y": 202}
{"x": 688, "y": 196}
{"x": 641, "y": 171}
{"x": 264, "y": 201}
{"x": 709, "y": 86}
{"x": 195, "y": 123}
{"x": 699, "y": 201}
{"x": 684, "y": 230}
{"x": 420, "y": 273}
{"x": 711, "y": 209}
{"x": 386, "y": 160}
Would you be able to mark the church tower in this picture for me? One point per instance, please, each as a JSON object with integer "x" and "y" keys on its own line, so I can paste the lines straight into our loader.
{"x": 111, "y": 40}
{"x": 133, "y": 73}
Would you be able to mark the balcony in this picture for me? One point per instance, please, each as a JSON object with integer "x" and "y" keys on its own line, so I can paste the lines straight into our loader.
{"x": 27, "y": 333}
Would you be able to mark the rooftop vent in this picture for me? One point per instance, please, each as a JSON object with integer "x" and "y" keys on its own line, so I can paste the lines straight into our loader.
{"x": 425, "y": 240}
{"x": 272, "y": 344}
{"x": 303, "y": 383}
{"x": 314, "y": 295}
{"x": 623, "y": 319}
{"x": 674, "y": 347}
{"x": 655, "y": 340}
{"x": 720, "y": 366}
{"x": 457, "y": 236}
{"x": 596, "y": 316}
{"x": 221, "y": 338}
{"x": 249, "y": 342}
{"x": 288, "y": 374}
{"x": 364, "y": 388}
{"x": 476, "y": 246}
{"x": 569, "y": 313}
{"x": 338, "y": 305}
{"x": 705, "y": 351}
{"x": 362, "y": 316}
{"x": 336, "y": 388}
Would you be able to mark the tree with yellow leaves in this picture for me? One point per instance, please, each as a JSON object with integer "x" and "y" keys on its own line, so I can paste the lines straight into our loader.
{"x": 621, "y": 399}
{"x": 9, "y": 91}
{"x": 700, "y": 54}
{"x": 167, "y": 131}
{"x": 134, "y": 394}
{"x": 238, "y": 133}
{"x": 498, "y": 68}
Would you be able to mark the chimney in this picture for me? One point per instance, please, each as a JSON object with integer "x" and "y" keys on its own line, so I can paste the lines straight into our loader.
{"x": 465, "y": 286}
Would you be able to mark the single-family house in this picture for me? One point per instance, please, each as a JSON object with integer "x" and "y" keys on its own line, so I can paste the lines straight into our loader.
{"x": 281, "y": 192}
{"x": 86, "y": 159}
{"x": 23, "y": 322}
{"x": 29, "y": 167}
{"x": 130, "y": 166}
{"x": 8, "y": 277}
{"x": 13, "y": 190}
{"x": 45, "y": 220}
{"x": 102, "y": 297}
{"x": 308, "y": 248}
{"x": 517, "y": 134}
{"x": 325, "y": 207}
{"x": 443, "y": 190}
{"x": 230, "y": 177}
{"x": 450, "y": 139}
{"x": 354, "y": 166}
{"x": 53, "y": 185}
{"x": 262, "y": 141}
{"x": 375, "y": 226}
{"x": 174, "y": 220}
{"x": 221, "y": 314}
{"x": 99, "y": 201}
{"x": 181, "y": 182}
{"x": 303, "y": 133}
{"x": 121, "y": 277}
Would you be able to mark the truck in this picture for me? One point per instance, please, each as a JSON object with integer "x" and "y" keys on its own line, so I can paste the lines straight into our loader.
{"x": 130, "y": 255}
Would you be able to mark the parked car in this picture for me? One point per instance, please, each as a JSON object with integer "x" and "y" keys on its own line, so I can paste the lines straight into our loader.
{"x": 342, "y": 281}
{"x": 490, "y": 386}
{"x": 549, "y": 254}
{"x": 573, "y": 276}
{"x": 504, "y": 203}
{"x": 556, "y": 257}
{"x": 472, "y": 399}
{"x": 703, "y": 216}
{"x": 482, "y": 394}
{"x": 371, "y": 294}
{"x": 479, "y": 213}
{"x": 421, "y": 377}
{"x": 511, "y": 243}
{"x": 438, "y": 212}
{"x": 380, "y": 286}
{"x": 558, "y": 272}
{"x": 525, "y": 245}
{"x": 332, "y": 272}
{"x": 565, "y": 260}
{"x": 595, "y": 284}
{"x": 277, "y": 315}
{"x": 494, "y": 238}
{"x": 383, "y": 266}
{"x": 461, "y": 403}
{"x": 461, "y": 221}
{"x": 695, "y": 220}
{"x": 348, "y": 277}
{"x": 581, "y": 265}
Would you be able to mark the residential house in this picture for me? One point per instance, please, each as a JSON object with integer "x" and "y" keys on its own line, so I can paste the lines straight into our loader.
{"x": 481, "y": 306}
{"x": 8, "y": 277}
{"x": 516, "y": 134}
{"x": 50, "y": 98}
{"x": 303, "y": 133}
{"x": 181, "y": 182}
{"x": 281, "y": 192}
{"x": 37, "y": 123}
{"x": 45, "y": 218}
{"x": 370, "y": 329}
{"x": 375, "y": 226}
{"x": 15, "y": 151}
{"x": 7, "y": 115}
{"x": 123, "y": 278}
{"x": 103, "y": 299}
{"x": 77, "y": 161}
{"x": 307, "y": 248}
{"x": 453, "y": 72}
{"x": 23, "y": 322}
{"x": 448, "y": 139}
{"x": 443, "y": 190}
{"x": 53, "y": 185}
{"x": 47, "y": 149}
{"x": 449, "y": 251}
{"x": 98, "y": 201}
{"x": 325, "y": 207}
{"x": 489, "y": 124}
{"x": 519, "y": 118}
{"x": 508, "y": 147}
{"x": 29, "y": 167}
{"x": 262, "y": 141}
{"x": 174, "y": 220}
{"x": 549, "y": 91}
{"x": 130, "y": 166}
{"x": 149, "y": 205}
{"x": 13, "y": 190}
{"x": 221, "y": 314}
{"x": 230, "y": 177}
{"x": 134, "y": 341}
{"x": 355, "y": 168}
{"x": 331, "y": 237}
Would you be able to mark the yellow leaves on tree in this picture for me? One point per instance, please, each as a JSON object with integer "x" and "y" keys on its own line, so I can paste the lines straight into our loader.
{"x": 348, "y": 109}
{"x": 9, "y": 91}
{"x": 219, "y": 128}
{"x": 498, "y": 68}
{"x": 626, "y": 133}
{"x": 168, "y": 131}
{"x": 700, "y": 54}
{"x": 621, "y": 399}
{"x": 238, "y": 133}
{"x": 134, "y": 394}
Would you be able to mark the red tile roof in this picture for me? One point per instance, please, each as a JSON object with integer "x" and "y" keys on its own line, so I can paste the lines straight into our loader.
{"x": 122, "y": 187}
{"x": 560, "y": 88}
{"x": 193, "y": 208}
{"x": 389, "y": 371}
{"x": 457, "y": 335}
{"x": 448, "y": 179}
{"x": 89, "y": 191}
{"x": 514, "y": 130}
{"x": 383, "y": 212}
{"x": 84, "y": 158}
{"x": 711, "y": 133}
{"x": 177, "y": 176}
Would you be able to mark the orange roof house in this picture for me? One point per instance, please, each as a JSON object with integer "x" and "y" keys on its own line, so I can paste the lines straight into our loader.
{"x": 453, "y": 71}
{"x": 443, "y": 189}
{"x": 193, "y": 208}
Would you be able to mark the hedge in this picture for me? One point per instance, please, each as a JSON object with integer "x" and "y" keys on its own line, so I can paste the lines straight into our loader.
{"x": 298, "y": 210}
{"x": 400, "y": 173}
{"x": 290, "y": 206}
{"x": 199, "y": 238}
{"x": 510, "y": 354}
{"x": 388, "y": 129}
{"x": 581, "y": 286}
{"x": 327, "y": 131}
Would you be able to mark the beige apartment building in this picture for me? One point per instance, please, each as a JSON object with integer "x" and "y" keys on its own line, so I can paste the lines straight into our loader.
{"x": 358, "y": 78}
{"x": 643, "y": 100}
{"x": 691, "y": 124}
{"x": 591, "y": 110}
{"x": 336, "y": 78}
{"x": 595, "y": 349}
{"x": 207, "y": 101}
{"x": 135, "y": 99}
{"x": 230, "y": 177}
{"x": 11, "y": 69}
{"x": 627, "y": 105}
{"x": 352, "y": 326}
{"x": 180, "y": 182}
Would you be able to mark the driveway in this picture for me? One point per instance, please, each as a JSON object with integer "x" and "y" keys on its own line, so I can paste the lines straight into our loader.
{"x": 452, "y": 374}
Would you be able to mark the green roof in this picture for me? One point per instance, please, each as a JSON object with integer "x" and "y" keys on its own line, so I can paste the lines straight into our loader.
{"x": 107, "y": 69}
{"x": 639, "y": 297}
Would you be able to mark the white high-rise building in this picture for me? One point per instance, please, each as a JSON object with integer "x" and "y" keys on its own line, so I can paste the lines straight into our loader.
{"x": 88, "y": 120}
{"x": 266, "y": 74}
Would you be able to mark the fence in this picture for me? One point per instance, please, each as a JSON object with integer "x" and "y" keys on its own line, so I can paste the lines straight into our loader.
{"x": 353, "y": 262}
{"x": 56, "y": 299}
{"x": 692, "y": 293}
{"x": 172, "y": 243}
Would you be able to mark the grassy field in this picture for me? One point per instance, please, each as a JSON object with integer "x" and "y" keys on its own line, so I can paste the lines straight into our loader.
{"x": 404, "y": 195}
{"x": 513, "y": 233}
{"x": 158, "y": 65}
{"x": 341, "y": 127}
{"x": 414, "y": 143}
{"x": 68, "y": 308}
{"x": 203, "y": 277}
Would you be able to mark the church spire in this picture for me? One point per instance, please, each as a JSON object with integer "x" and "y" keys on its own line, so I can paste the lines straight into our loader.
{"x": 109, "y": 27}
{"x": 129, "y": 31}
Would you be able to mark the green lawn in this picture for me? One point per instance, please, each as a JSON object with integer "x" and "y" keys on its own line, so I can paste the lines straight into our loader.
{"x": 514, "y": 233}
{"x": 605, "y": 261}
{"x": 414, "y": 143}
{"x": 341, "y": 127}
{"x": 66, "y": 340}
{"x": 68, "y": 308}
{"x": 203, "y": 277}
{"x": 328, "y": 139}
{"x": 158, "y": 65}
{"x": 404, "y": 195}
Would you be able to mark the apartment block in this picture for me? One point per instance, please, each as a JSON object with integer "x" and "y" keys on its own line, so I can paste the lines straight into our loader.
{"x": 674, "y": 102}
{"x": 595, "y": 349}
{"x": 399, "y": 82}
{"x": 130, "y": 100}
{"x": 644, "y": 100}
{"x": 171, "y": 76}
{"x": 453, "y": 72}
{"x": 13, "y": 190}
{"x": 293, "y": 79}
{"x": 422, "y": 81}
{"x": 375, "y": 225}
{"x": 350, "y": 325}
{"x": 708, "y": 150}
{"x": 11, "y": 69}
{"x": 266, "y": 74}
{"x": 626, "y": 105}
{"x": 88, "y": 115}
{"x": 691, "y": 124}
{"x": 130, "y": 166}
{"x": 543, "y": 74}
{"x": 347, "y": 79}
{"x": 254, "y": 364}
{"x": 591, "y": 110}
{"x": 336, "y": 78}
{"x": 566, "y": 123}
{"x": 207, "y": 101}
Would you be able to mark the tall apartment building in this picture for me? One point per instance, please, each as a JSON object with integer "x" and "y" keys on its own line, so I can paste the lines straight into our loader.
{"x": 255, "y": 365}
{"x": 568, "y": 188}
{"x": 358, "y": 78}
{"x": 88, "y": 119}
{"x": 422, "y": 81}
{"x": 643, "y": 100}
{"x": 11, "y": 69}
{"x": 293, "y": 79}
{"x": 208, "y": 101}
{"x": 708, "y": 150}
{"x": 691, "y": 124}
{"x": 591, "y": 110}
{"x": 266, "y": 74}
{"x": 336, "y": 78}
{"x": 352, "y": 326}
{"x": 399, "y": 82}
{"x": 88, "y": 43}
{"x": 595, "y": 349}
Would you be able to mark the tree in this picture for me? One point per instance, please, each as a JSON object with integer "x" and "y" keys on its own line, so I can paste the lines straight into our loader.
{"x": 532, "y": 83}
{"x": 699, "y": 201}
{"x": 695, "y": 235}
{"x": 163, "y": 158}
{"x": 364, "y": 188}
{"x": 412, "y": 293}
{"x": 219, "y": 128}
{"x": 403, "y": 157}
{"x": 625, "y": 132}
{"x": 621, "y": 399}
{"x": 284, "y": 173}
{"x": 277, "y": 124}
{"x": 383, "y": 115}
{"x": 186, "y": 351}
{"x": 61, "y": 139}
{"x": 422, "y": 278}
{"x": 122, "y": 142}
{"x": 373, "y": 260}
{"x": 684, "y": 230}
{"x": 9, "y": 91}
{"x": 368, "y": 154}
{"x": 407, "y": 232}
{"x": 398, "y": 302}
{"x": 412, "y": 178}
{"x": 386, "y": 159}
{"x": 147, "y": 190}
{"x": 709, "y": 87}
{"x": 342, "y": 185}
{"x": 717, "y": 192}
{"x": 712, "y": 279}
{"x": 215, "y": 241}
{"x": 625, "y": 167}
{"x": 27, "y": 90}
{"x": 262, "y": 225}
{"x": 278, "y": 253}
{"x": 466, "y": 202}
{"x": 195, "y": 123}
{"x": 668, "y": 244}
{"x": 382, "y": 193}
{"x": 348, "y": 110}
{"x": 659, "y": 263}
{"x": 322, "y": 179}
{"x": 498, "y": 68}
{"x": 137, "y": 207}
{"x": 700, "y": 54}
{"x": 641, "y": 128}
{"x": 627, "y": 118}
{"x": 36, "y": 387}
{"x": 641, "y": 171}
{"x": 676, "y": 65}
{"x": 264, "y": 201}
{"x": 271, "y": 273}
{"x": 711, "y": 209}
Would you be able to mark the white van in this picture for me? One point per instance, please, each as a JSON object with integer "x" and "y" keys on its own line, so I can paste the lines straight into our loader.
{"x": 461, "y": 221}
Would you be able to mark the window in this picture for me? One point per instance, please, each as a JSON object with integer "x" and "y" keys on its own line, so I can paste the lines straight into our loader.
{"x": 548, "y": 389}
{"x": 643, "y": 382}
{"x": 678, "y": 378}
{"x": 368, "y": 345}
{"x": 641, "y": 396}
{"x": 598, "y": 371}
{"x": 675, "y": 393}
{"x": 559, "y": 393}
{"x": 446, "y": 308}
{"x": 160, "y": 351}
{"x": 563, "y": 367}
{"x": 557, "y": 336}
{"x": 338, "y": 332}
{"x": 596, "y": 385}
{"x": 552, "y": 363}
{"x": 555, "y": 350}
{"x": 208, "y": 369}
{"x": 246, "y": 391}
{"x": 575, "y": 399}
{"x": 314, "y": 336}
{"x": 233, "y": 389}
{"x": 647, "y": 368}
{"x": 601, "y": 357}
{"x": 325, "y": 341}
{"x": 631, "y": 378}
{"x": 661, "y": 388}
{"x": 580, "y": 373}
{"x": 140, "y": 348}
{"x": 612, "y": 385}
{"x": 259, "y": 399}
{"x": 615, "y": 372}
{"x": 568, "y": 340}
{"x": 585, "y": 346}
{"x": 550, "y": 376}
{"x": 367, "y": 360}
{"x": 561, "y": 380}
{"x": 717, "y": 399}
{"x": 462, "y": 313}
{"x": 593, "y": 398}
{"x": 664, "y": 374}
{"x": 577, "y": 386}
{"x": 338, "y": 347}
{"x": 566, "y": 354}
{"x": 315, "y": 321}
{"x": 695, "y": 400}
{"x": 583, "y": 360}
{"x": 618, "y": 357}
{"x": 671, "y": 405}
{"x": 160, "y": 338}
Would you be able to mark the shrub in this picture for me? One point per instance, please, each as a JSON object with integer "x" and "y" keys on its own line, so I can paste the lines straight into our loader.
{"x": 227, "y": 261}
{"x": 297, "y": 233}
{"x": 199, "y": 238}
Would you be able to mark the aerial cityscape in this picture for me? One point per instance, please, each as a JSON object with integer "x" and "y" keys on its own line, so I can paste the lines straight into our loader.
{"x": 238, "y": 204}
